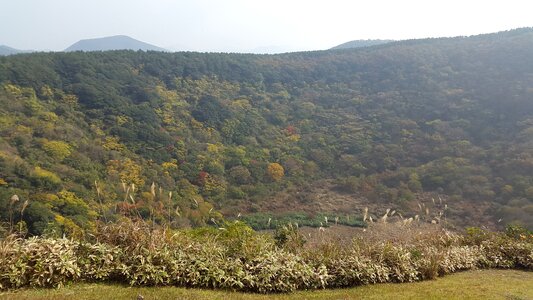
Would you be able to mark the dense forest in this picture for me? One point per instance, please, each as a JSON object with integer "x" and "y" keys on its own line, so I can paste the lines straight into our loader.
{"x": 185, "y": 138}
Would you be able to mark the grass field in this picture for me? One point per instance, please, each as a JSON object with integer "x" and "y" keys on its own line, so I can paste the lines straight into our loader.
{"x": 483, "y": 284}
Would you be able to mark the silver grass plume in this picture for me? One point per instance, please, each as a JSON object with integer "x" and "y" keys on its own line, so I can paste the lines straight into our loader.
{"x": 24, "y": 207}
{"x": 152, "y": 189}
{"x": 127, "y": 191}
{"x": 385, "y": 216}
{"x": 14, "y": 199}
{"x": 98, "y": 190}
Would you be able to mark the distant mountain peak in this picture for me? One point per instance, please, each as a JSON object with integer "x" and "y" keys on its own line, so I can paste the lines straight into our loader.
{"x": 6, "y": 50}
{"x": 116, "y": 42}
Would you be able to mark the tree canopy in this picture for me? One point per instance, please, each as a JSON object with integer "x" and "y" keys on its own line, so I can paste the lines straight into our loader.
{"x": 174, "y": 137}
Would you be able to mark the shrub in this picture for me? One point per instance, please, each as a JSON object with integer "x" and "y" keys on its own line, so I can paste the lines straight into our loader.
{"x": 45, "y": 179}
{"x": 57, "y": 149}
{"x": 99, "y": 262}
{"x": 235, "y": 257}
{"x": 280, "y": 271}
{"x": 38, "y": 262}
{"x": 289, "y": 238}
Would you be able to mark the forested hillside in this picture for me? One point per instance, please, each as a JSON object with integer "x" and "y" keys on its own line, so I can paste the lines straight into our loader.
{"x": 178, "y": 137}
{"x": 361, "y": 43}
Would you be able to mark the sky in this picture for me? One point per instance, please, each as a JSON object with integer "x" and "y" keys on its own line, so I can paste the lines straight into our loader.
{"x": 251, "y": 25}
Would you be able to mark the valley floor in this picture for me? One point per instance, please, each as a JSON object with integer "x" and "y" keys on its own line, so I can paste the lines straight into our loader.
{"x": 481, "y": 284}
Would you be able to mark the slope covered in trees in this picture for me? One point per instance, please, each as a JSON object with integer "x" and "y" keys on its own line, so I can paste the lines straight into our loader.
{"x": 176, "y": 137}
{"x": 361, "y": 43}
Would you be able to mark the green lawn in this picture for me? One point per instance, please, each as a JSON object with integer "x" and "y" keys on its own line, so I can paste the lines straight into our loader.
{"x": 486, "y": 284}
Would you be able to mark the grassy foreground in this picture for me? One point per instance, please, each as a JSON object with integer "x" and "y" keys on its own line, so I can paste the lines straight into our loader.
{"x": 479, "y": 284}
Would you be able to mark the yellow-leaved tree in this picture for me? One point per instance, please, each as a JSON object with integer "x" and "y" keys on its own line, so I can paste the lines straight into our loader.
{"x": 126, "y": 171}
{"x": 275, "y": 171}
{"x": 58, "y": 150}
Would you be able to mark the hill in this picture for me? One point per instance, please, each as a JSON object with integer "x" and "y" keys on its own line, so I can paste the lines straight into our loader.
{"x": 118, "y": 42}
{"x": 6, "y": 50}
{"x": 361, "y": 43}
{"x": 439, "y": 128}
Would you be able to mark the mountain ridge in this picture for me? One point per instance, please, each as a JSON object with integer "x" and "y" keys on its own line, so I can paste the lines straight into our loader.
{"x": 361, "y": 44}
{"x": 6, "y": 50}
{"x": 116, "y": 42}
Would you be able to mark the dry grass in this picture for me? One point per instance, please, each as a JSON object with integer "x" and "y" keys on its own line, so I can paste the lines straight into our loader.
{"x": 486, "y": 284}
{"x": 374, "y": 233}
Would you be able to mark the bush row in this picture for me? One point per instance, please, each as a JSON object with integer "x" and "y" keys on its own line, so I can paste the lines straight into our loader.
{"x": 234, "y": 257}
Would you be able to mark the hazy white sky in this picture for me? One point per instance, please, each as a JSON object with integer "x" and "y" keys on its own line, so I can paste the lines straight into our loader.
{"x": 251, "y": 25}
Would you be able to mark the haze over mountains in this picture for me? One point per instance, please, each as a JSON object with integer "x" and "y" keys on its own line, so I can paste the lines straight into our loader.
{"x": 118, "y": 42}
{"x": 123, "y": 42}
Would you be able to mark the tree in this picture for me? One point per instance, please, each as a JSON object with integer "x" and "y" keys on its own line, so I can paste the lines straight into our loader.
{"x": 38, "y": 216}
{"x": 275, "y": 171}
{"x": 45, "y": 179}
{"x": 57, "y": 149}
{"x": 126, "y": 170}
{"x": 240, "y": 175}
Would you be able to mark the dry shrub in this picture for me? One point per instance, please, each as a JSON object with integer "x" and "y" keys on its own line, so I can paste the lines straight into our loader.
{"x": 39, "y": 262}
{"x": 99, "y": 262}
{"x": 236, "y": 258}
{"x": 355, "y": 270}
{"x": 280, "y": 271}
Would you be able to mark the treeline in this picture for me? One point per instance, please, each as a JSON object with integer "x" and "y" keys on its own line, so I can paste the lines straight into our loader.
{"x": 173, "y": 138}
